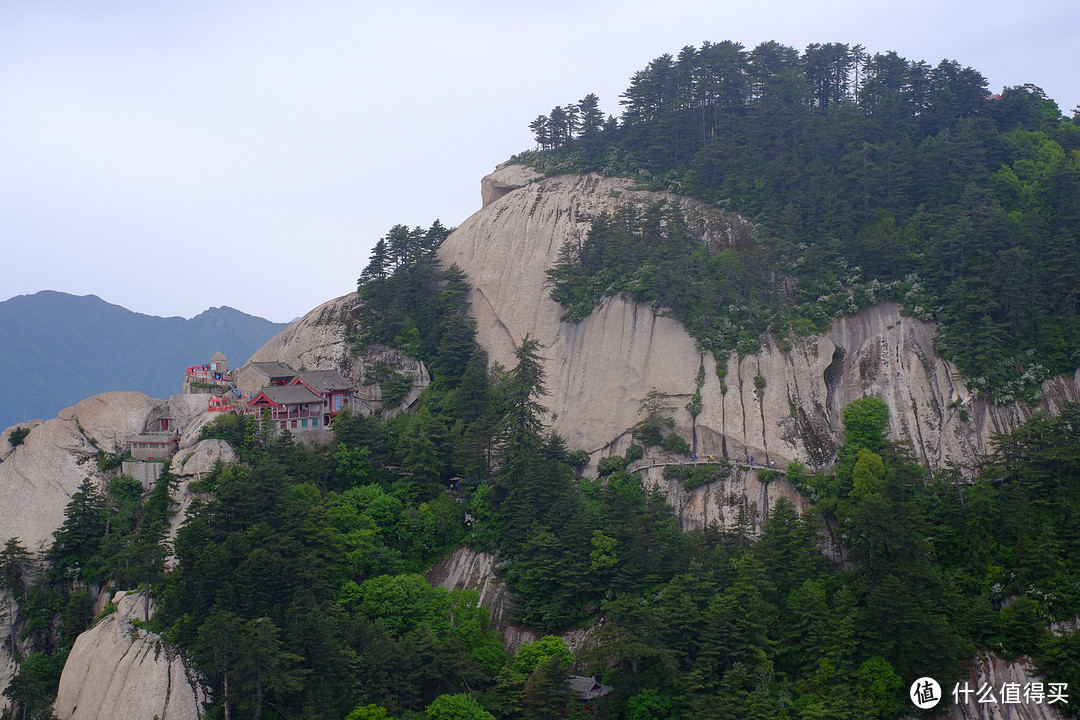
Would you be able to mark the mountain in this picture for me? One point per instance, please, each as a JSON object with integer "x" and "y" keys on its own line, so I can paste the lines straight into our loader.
{"x": 781, "y": 403}
{"x": 58, "y": 348}
{"x": 778, "y": 311}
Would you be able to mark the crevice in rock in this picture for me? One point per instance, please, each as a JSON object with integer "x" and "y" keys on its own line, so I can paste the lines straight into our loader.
{"x": 479, "y": 294}
{"x": 919, "y": 435}
{"x": 761, "y": 408}
{"x": 742, "y": 402}
{"x": 168, "y": 682}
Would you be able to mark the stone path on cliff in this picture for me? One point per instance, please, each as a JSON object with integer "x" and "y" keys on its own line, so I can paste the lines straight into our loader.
{"x": 634, "y": 467}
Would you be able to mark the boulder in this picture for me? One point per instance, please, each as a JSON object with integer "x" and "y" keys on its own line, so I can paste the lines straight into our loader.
{"x": 111, "y": 418}
{"x": 201, "y": 458}
{"x": 118, "y": 671}
{"x": 6, "y": 448}
{"x": 186, "y": 409}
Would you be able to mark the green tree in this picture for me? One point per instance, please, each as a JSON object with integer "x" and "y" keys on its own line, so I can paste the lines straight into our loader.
{"x": 865, "y": 423}
{"x": 633, "y": 633}
{"x": 402, "y": 602}
{"x": 17, "y": 435}
{"x": 879, "y": 683}
{"x": 868, "y": 474}
{"x": 33, "y": 688}
{"x": 456, "y": 707}
{"x": 16, "y": 564}
{"x": 369, "y": 712}
{"x": 546, "y": 693}
{"x": 352, "y": 467}
{"x": 265, "y": 672}
{"x": 77, "y": 544}
{"x": 217, "y": 651}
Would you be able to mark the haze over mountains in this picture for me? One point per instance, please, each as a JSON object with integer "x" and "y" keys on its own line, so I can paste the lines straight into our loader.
{"x": 57, "y": 349}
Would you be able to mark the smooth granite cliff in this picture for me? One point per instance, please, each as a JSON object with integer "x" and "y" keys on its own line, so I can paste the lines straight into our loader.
{"x": 598, "y": 370}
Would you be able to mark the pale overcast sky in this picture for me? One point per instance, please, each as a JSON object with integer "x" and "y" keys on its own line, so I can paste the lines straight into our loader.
{"x": 170, "y": 157}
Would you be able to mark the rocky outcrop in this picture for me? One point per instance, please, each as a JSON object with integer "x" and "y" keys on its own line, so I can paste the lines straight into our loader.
{"x": 6, "y": 448}
{"x": 598, "y": 370}
{"x": 506, "y": 178}
{"x": 186, "y": 410}
{"x": 111, "y": 418}
{"x": 466, "y": 569}
{"x": 39, "y": 478}
{"x": 190, "y": 465}
{"x": 321, "y": 341}
{"x": 741, "y": 498}
{"x": 202, "y": 457}
{"x": 117, "y": 671}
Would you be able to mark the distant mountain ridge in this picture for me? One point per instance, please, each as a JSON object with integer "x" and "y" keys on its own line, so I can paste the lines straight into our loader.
{"x": 56, "y": 349}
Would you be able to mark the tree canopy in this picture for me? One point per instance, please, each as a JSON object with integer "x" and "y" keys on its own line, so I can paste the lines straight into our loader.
{"x": 870, "y": 178}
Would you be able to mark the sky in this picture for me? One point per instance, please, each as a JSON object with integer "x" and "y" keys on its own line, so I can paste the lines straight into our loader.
{"x": 171, "y": 157}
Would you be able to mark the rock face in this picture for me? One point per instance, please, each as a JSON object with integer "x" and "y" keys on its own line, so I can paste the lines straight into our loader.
{"x": 598, "y": 370}
{"x": 466, "y": 569}
{"x": 6, "y": 448}
{"x": 39, "y": 478}
{"x": 319, "y": 341}
{"x": 110, "y": 418}
{"x": 740, "y": 495}
{"x": 201, "y": 458}
{"x": 119, "y": 672}
{"x": 187, "y": 410}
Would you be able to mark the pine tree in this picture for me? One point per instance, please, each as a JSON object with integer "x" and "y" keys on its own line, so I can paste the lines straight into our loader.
{"x": 264, "y": 670}
{"x": 77, "y": 544}
{"x": 591, "y": 119}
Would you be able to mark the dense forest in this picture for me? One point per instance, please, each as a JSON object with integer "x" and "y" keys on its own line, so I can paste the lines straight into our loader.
{"x": 298, "y": 589}
{"x": 870, "y": 178}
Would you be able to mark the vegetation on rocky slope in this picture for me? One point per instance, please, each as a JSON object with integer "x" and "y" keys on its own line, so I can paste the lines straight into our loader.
{"x": 297, "y": 589}
{"x": 870, "y": 178}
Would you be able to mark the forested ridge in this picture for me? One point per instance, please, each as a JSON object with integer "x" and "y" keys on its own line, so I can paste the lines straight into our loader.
{"x": 871, "y": 178}
{"x": 298, "y": 593}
